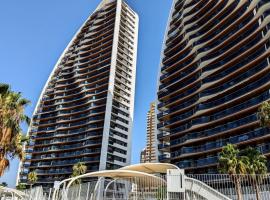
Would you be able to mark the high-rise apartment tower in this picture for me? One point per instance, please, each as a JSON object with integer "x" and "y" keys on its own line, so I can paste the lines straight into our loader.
{"x": 149, "y": 153}
{"x": 214, "y": 74}
{"x": 143, "y": 155}
{"x": 85, "y": 111}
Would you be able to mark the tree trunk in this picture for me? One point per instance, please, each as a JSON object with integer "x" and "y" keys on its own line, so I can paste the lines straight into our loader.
{"x": 238, "y": 188}
{"x": 3, "y": 163}
{"x": 6, "y": 136}
{"x": 257, "y": 190}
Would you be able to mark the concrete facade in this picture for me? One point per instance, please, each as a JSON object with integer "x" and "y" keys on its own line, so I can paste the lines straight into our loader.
{"x": 85, "y": 112}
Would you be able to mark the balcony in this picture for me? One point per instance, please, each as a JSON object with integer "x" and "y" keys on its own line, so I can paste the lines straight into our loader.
{"x": 203, "y": 162}
{"x": 162, "y": 134}
{"x": 256, "y": 134}
{"x": 164, "y": 157}
{"x": 163, "y": 145}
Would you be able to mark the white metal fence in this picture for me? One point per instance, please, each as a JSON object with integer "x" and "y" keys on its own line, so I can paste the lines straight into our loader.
{"x": 141, "y": 188}
{"x": 118, "y": 189}
{"x": 37, "y": 193}
{"x": 199, "y": 187}
{"x": 249, "y": 187}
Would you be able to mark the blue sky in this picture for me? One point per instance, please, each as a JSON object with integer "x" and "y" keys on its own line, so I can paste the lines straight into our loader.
{"x": 34, "y": 34}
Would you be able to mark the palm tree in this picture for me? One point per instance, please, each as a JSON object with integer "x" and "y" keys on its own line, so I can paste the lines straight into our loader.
{"x": 78, "y": 169}
{"x": 256, "y": 168}
{"x": 230, "y": 162}
{"x": 264, "y": 114}
{"x": 12, "y": 107}
{"x": 32, "y": 178}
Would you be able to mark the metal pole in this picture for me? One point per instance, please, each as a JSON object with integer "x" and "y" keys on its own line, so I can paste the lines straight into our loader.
{"x": 87, "y": 193}
{"x": 80, "y": 187}
{"x": 49, "y": 193}
{"x": 105, "y": 191}
{"x": 95, "y": 188}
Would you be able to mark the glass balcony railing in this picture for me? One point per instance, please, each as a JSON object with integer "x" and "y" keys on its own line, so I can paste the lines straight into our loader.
{"x": 220, "y": 143}
{"x": 65, "y": 162}
{"x": 67, "y": 147}
{"x": 237, "y": 93}
{"x": 183, "y": 94}
{"x": 51, "y": 171}
{"x": 215, "y": 130}
{"x": 183, "y": 84}
{"x": 67, "y": 154}
{"x": 163, "y": 157}
{"x": 178, "y": 118}
{"x": 163, "y": 145}
{"x": 68, "y": 134}
{"x": 163, "y": 134}
{"x": 235, "y": 80}
{"x": 181, "y": 75}
{"x": 198, "y": 163}
{"x": 67, "y": 139}
{"x": 221, "y": 128}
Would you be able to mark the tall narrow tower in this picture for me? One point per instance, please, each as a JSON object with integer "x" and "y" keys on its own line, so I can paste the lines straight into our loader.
{"x": 214, "y": 75}
{"x": 85, "y": 111}
{"x": 149, "y": 153}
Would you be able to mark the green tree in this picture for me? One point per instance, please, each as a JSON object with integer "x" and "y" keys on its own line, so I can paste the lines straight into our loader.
{"x": 256, "y": 168}
{"x": 230, "y": 162}
{"x": 264, "y": 114}
{"x": 4, "y": 184}
{"x": 78, "y": 169}
{"x": 12, "y": 107}
{"x": 21, "y": 186}
{"x": 32, "y": 178}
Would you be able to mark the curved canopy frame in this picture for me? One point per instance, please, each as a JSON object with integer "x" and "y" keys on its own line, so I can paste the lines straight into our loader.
{"x": 145, "y": 177}
{"x": 135, "y": 172}
{"x": 118, "y": 174}
{"x": 13, "y": 192}
{"x": 63, "y": 182}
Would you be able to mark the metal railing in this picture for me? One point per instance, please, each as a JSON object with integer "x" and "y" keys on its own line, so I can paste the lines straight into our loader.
{"x": 249, "y": 187}
{"x": 195, "y": 186}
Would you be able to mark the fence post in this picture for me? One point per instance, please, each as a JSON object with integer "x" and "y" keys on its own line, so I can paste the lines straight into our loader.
{"x": 87, "y": 193}
{"x": 49, "y": 196}
{"x": 80, "y": 189}
{"x": 175, "y": 182}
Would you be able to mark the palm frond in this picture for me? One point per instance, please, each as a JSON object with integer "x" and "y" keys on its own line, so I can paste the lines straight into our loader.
{"x": 12, "y": 106}
{"x": 4, "y": 165}
{"x": 4, "y": 88}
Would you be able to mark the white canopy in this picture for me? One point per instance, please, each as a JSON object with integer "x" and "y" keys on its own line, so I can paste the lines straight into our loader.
{"x": 150, "y": 168}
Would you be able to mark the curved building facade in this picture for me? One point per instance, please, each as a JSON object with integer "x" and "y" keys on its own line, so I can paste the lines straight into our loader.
{"x": 214, "y": 74}
{"x": 85, "y": 112}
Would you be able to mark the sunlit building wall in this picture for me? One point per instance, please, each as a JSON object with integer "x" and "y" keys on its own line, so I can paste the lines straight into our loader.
{"x": 214, "y": 74}
{"x": 85, "y": 111}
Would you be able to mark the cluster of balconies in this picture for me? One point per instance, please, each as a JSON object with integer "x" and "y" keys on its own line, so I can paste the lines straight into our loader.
{"x": 64, "y": 163}
{"x": 67, "y": 126}
{"x": 212, "y": 161}
{"x": 214, "y": 75}
{"x": 212, "y": 146}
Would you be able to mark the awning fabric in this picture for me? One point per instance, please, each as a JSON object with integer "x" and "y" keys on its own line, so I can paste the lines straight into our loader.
{"x": 150, "y": 168}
